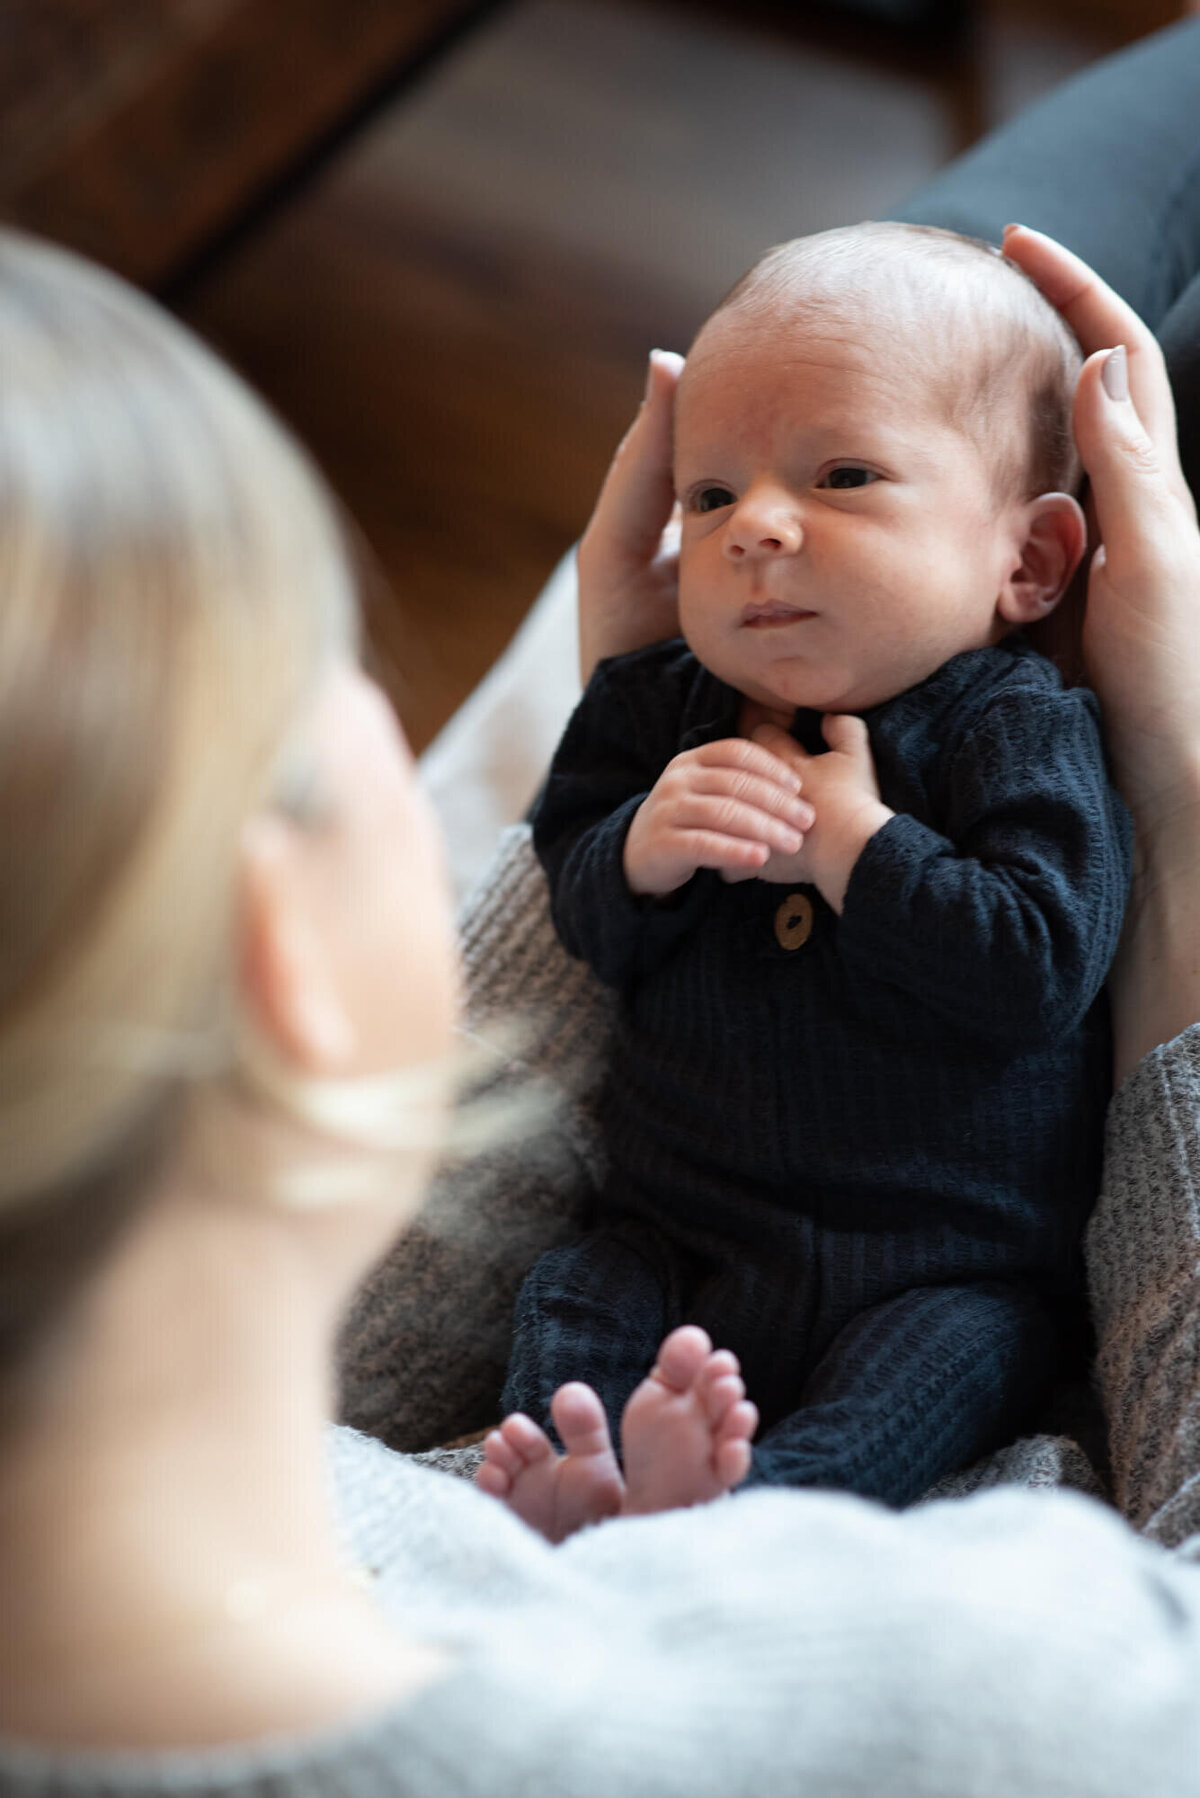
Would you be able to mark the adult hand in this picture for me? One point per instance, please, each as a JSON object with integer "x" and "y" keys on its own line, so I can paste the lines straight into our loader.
{"x": 1141, "y": 637}
{"x": 629, "y": 554}
{"x": 1142, "y": 625}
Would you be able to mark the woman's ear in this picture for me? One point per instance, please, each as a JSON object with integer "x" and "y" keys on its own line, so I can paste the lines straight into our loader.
{"x": 289, "y": 985}
{"x": 1053, "y": 538}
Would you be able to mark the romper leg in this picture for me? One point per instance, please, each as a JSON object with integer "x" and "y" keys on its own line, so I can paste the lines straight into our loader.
{"x": 594, "y": 1310}
{"x": 913, "y": 1389}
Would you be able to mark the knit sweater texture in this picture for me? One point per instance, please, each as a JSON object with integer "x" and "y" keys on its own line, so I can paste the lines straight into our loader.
{"x": 782, "y": 1641}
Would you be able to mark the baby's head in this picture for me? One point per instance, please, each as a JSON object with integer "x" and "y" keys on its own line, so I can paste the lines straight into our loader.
{"x": 873, "y": 454}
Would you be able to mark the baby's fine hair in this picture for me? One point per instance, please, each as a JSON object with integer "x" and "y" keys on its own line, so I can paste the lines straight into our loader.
{"x": 970, "y": 324}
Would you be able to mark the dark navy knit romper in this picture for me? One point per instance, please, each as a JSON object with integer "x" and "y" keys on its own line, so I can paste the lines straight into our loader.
{"x": 860, "y": 1150}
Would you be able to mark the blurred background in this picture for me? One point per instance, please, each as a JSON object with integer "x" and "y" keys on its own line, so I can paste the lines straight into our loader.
{"x": 440, "y": 237}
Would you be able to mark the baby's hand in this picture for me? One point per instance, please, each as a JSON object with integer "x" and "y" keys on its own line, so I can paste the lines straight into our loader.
{"x": 844, "y": 793}
{"x": 729, "y": 805}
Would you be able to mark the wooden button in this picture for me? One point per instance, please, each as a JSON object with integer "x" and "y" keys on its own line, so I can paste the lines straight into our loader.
{"x": 794, "y": 921}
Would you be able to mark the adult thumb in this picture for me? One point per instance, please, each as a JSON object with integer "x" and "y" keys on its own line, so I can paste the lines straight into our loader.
{"x": 639, "y": 491}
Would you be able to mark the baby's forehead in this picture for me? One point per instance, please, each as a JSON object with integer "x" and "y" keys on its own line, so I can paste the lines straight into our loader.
{"x": 742, "y": 346}
{"x": 934, "y": 322}
{"x": 926, "y": 326}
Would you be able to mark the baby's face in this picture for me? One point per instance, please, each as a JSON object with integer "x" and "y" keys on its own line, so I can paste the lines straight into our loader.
{"x": 841, "y": 538}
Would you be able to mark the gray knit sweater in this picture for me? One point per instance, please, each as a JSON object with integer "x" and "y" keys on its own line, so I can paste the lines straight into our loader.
{"x": 780, "y": 1642}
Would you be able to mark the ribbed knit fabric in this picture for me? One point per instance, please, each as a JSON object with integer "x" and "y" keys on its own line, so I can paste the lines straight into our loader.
{"x": 910, "y": 1098}
{"x": 424, "y": 1349}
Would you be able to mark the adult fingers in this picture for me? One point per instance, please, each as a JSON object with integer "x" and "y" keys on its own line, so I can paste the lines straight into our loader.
{"x": 1100, "y": 318}
{"x": 1138, "y": 509}
{"x": 638, "y": 494}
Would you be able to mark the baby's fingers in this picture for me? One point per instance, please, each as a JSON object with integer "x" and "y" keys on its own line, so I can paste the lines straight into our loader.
{"x": 720, "y": 817}
{"x": 847, "y": 735}
{"x": 782, "y": 747}
{"x": 768, "y": 758}
{"x": 756, "y": 793}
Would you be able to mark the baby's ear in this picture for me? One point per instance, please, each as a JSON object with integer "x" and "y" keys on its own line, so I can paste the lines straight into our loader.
{"x": 1053, "y": 538}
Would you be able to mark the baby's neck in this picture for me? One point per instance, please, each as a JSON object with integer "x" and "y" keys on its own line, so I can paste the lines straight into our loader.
{"x": 753, "y": 712}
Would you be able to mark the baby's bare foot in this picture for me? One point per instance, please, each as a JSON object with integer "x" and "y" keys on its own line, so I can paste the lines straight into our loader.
{"x": 556, "y": 1494}
{"x": 686, "y": 1430}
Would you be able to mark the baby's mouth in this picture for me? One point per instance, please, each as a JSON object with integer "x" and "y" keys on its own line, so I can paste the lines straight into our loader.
{"x": 763, "y": 614}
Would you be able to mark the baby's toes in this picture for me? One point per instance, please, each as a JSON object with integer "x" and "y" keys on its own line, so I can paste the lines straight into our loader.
{"x": 682, "y": 1357}
{"x": 720, "y": 1398}
{"x": 738, "y": 1424}
{"x": 499, "y": 1467}
{"x": 719, "y": 1385}
{"x": 524, "y": 1442}
{"x": 580, "y": 1420}
{"x": 731, "y": 1462}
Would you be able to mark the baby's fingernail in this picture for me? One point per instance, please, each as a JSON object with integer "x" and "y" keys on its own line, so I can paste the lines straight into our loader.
{"x": 1115, "y": 374}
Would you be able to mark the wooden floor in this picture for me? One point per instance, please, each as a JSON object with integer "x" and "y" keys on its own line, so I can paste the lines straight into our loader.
{"x": 455, "y": 314}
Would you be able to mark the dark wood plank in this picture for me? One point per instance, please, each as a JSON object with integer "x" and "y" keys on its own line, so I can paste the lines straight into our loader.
{"x": 165, "y": 122}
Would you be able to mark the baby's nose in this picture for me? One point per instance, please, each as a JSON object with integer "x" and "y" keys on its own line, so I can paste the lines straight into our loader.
{"x": 762, "y": 527}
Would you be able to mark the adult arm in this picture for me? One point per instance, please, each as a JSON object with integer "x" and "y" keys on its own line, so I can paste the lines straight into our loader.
{"x": 1141, "y": 640}
{"x": 1142, "y": 643}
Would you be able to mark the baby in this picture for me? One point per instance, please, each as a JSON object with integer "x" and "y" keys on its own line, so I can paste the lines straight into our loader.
{"x": 850, "y": 855}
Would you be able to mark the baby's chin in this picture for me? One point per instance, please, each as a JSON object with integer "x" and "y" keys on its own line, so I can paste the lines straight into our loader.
{"x": 811, "y": 692}
{"x": 795, "y": 682}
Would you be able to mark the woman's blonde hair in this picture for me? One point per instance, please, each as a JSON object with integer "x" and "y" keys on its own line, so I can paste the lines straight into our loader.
{"x": 173, "y": 585}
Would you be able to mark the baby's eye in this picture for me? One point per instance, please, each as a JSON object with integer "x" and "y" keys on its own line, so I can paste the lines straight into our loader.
{"x": 711, "y": 499}
{"x": 850, "y": 475}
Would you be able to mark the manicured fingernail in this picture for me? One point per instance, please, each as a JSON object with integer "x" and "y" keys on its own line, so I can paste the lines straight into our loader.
{"x": 650, "y": 373}
{"x": 1115, "y": 374}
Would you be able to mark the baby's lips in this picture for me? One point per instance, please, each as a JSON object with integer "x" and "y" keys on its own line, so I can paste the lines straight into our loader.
{"x": 773, "y": 611}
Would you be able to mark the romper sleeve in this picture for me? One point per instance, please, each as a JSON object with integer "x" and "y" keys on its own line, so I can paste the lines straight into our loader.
{"x": 620, "y": 738}
{"x": 1003, "y": 923}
